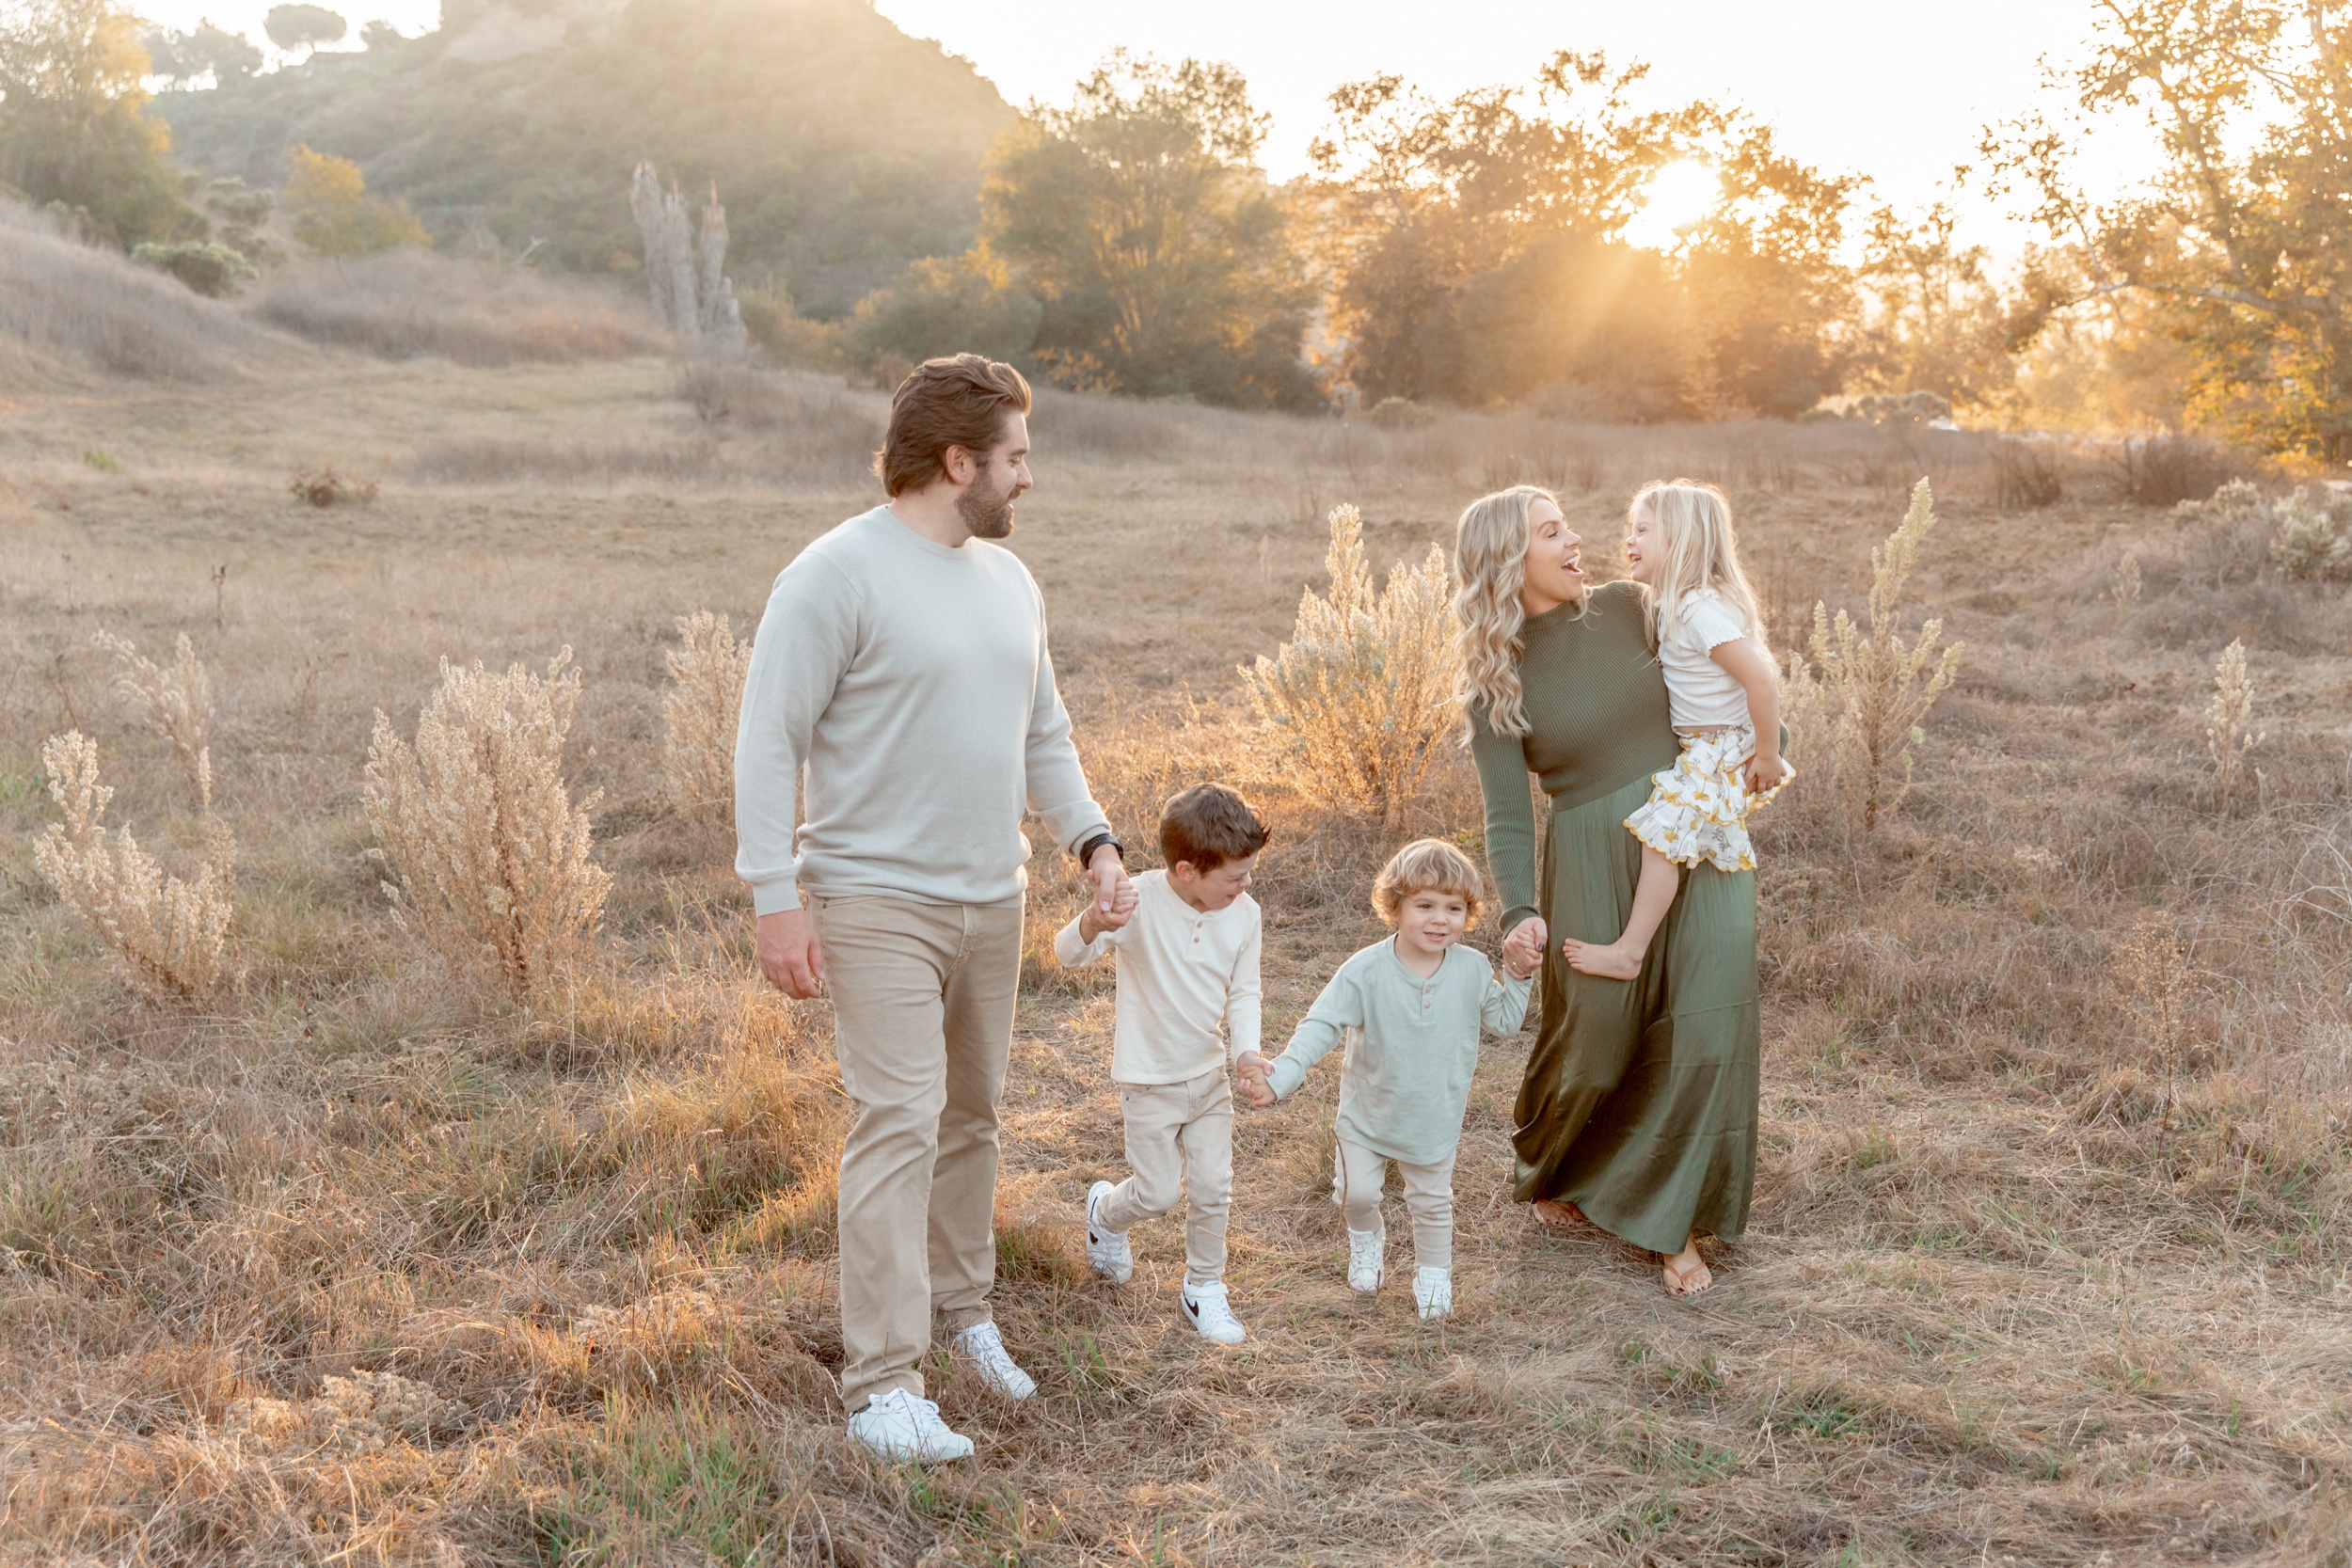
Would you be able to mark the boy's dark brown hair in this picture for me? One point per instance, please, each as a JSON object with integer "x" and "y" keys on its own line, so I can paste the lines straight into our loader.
{"x": 957, "y": 402}
{"x": 1208, "y": 825}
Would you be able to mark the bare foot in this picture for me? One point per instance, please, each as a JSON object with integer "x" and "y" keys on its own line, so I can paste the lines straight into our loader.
{"x": 1686, "y": 1272}
{"x": 1615, "y": 962}
{"x": 1554, "y": 1215}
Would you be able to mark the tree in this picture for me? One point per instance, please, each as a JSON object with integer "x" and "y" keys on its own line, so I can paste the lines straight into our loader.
{"x": 304, "y": 27}
{"x": 188, "y": 58}
{"x": 1936, "y": 321}
{"x": 1140, "y": 221}
{"x": 332, "y": 213}
{"x": 2241, "y": 240}
{"x": 1471, "y": 248}
{"x": 72, "y": 128}
{"x": 948, "y": 305}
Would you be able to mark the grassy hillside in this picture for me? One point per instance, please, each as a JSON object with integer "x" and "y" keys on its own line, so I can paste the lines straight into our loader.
{"x": 842, "y": 147}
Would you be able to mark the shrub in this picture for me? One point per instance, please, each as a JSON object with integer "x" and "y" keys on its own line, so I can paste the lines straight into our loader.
{"x": 173, "y": 934}
{"x": 2165, "y": 470}
{"x": 2026, "y": 474}
{"x": 178, "y": 700}
{"x": 1361, "y": 697}
{"x": 705, "y": 696}
{"x": 2230, "y": 732}
{"x": 487, "y": 856}
{"x": 1400, "y": 414}
{"x": 2311, "y": 536}
{"x": 1866, "y": 690}
{"x": 325, "y": 488}
{"x": 212, "y": 270}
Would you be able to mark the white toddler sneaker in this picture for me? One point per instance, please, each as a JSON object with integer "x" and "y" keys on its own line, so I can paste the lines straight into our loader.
{"x": 897, "y": 1426}
{"x": 1364, "y": 1264}
{"x": 984, "y": 1348}
{"x": 1107, "y": 1252}
{"x": 1207, "y": 1309}
{"x": 1433, "y": 1293}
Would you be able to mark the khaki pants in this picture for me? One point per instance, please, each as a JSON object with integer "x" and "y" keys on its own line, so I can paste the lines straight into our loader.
{"x": 1180, "y": 1144}
{"x": 922, "y": 1021}
{"x": 1428, "y": 1199}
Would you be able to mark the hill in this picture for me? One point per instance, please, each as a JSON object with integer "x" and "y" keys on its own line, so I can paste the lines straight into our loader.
{"x": 842, "y": 147}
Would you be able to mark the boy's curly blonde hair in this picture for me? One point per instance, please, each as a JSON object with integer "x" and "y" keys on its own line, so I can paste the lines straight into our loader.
{"x": 1428, "y": 866}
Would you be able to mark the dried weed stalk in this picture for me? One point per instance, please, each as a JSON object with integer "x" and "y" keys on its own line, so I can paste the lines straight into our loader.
{"x": 487, "y": 855}
{"x": 2230, "y": 732}
{"x": 173, "y": 934}
{"x": 2127, "y": 584}
{"x": 1361, "y": 697}
{"x": 706, "y": 697}
{"x": 1868, "y": 689}
{"x": 178, "y": 699}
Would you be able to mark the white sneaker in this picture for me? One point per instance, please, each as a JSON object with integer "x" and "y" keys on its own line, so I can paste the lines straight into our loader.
{"x": 897, "y": 1426}
{"x": 1107, "y": 1253}
{"x": 1433, "y": 1293}
{"x": 1207, "y": 1309}
{"x": 984, "y": 1348}
{"x": 1365, "y": 1270}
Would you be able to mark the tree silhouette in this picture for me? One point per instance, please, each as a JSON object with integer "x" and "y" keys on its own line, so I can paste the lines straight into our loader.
{"x": 292, "y": 28}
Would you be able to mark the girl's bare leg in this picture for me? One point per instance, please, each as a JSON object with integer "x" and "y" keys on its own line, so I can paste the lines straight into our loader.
{"x": 1686, "y": 1272}
{"x": 1652, "y": 896}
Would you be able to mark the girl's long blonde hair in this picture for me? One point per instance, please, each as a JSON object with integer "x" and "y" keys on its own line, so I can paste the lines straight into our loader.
{"x": 1695, "y": 549}
{"x": 1490, "y": 562}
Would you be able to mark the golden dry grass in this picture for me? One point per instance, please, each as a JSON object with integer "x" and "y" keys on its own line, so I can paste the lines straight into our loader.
{"x": 2048, "y": 1262}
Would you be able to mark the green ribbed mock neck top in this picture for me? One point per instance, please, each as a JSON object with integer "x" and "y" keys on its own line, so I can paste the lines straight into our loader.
{"x": 1597, "y": 719}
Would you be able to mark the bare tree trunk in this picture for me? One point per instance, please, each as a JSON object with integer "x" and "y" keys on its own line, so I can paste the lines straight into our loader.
{"x": 644, "y": 204}
{"x": 686, "y": 269}
{"x": 678, "y": 251}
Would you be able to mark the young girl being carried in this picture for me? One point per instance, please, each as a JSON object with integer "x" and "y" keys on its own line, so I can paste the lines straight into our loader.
{"x": 1724, "y": 694}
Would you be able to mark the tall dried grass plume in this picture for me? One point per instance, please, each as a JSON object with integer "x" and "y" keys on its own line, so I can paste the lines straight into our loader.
{"x": 1360, "y": 699}
{"x": 706, "y": 697}
{"x": 2230, "y": 731}
{"x": 172, "y": 934}
{"x": 487, "y": 856}
{"x": 177, "y": 701}
{"x": 1868, "y": 689}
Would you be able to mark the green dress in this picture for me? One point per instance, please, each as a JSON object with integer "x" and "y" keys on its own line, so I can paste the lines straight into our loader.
{"x": 1639, "y": 1100}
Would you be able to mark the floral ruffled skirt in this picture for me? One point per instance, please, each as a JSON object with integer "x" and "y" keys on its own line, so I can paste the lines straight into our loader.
{"x": 1698, "y": 809}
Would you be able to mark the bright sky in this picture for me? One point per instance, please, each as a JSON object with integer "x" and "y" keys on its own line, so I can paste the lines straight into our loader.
{"x": 1854, "y": 86}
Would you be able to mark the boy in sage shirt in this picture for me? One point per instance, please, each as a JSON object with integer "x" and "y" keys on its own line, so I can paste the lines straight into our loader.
{"x": 1420, "y": 998}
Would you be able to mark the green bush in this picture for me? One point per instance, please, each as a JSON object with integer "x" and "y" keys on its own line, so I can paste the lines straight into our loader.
{"x": 212, "y": 270}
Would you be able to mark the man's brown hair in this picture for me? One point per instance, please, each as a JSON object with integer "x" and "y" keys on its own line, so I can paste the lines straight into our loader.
{"x": 957, "y": 402}
{"x": 1208, "y": 825}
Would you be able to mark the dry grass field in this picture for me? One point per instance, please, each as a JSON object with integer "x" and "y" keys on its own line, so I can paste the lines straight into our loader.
{"x": 2049, "y": 1262}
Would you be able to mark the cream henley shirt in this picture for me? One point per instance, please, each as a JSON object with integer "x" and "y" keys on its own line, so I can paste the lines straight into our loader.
{"x": 1182, "y": 972}
{"x": 1407, "y": 1081}
{"x": 911, "y": 683}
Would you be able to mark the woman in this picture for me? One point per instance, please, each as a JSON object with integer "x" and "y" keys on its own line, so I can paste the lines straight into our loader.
{"x": 1639, "y": 1109}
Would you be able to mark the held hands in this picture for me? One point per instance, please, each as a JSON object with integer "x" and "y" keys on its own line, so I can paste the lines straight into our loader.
{"x": 1257, "y": 1075}
{"x": 1523, "y": 949}
{"x": 1766, "y": 770}
{"x": 1095, "y": 919}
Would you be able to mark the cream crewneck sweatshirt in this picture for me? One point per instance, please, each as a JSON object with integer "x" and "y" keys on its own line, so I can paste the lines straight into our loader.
{"x": 1182, "y": 972}
{"x": 913, "y": 684}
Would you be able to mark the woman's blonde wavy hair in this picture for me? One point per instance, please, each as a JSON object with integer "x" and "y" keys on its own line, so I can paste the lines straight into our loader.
{"x": 1490, "y": 562}
{"x": 1696, "y": 549}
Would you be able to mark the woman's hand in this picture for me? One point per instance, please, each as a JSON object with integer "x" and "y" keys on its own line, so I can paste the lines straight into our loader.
{"x": 1523, "y": 949}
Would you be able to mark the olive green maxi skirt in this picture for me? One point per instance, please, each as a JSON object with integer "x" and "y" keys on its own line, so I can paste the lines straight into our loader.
{"x": 1640, "y": 1101}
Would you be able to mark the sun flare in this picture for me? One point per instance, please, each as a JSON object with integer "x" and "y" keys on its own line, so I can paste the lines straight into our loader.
{"x": 1679, "y": 195}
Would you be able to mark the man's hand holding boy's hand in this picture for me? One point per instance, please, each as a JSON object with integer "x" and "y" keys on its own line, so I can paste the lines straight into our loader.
{"x": 1523, "y": 949}
{"x": 1256, "y": 1075}
{"x": 1095, "y": 919}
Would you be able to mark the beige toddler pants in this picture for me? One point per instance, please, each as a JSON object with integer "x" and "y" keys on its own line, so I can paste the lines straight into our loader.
{"x": 922, "y": 1022}
{"x": 1180, "y": 1144}
{"x": 1428, "y": 1199}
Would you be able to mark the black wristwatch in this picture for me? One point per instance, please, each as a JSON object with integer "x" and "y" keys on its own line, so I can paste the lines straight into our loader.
{"x": 1085, "y": 850}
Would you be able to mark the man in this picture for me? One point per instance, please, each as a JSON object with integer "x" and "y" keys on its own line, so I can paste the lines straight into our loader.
{"x": 902, "y": 665}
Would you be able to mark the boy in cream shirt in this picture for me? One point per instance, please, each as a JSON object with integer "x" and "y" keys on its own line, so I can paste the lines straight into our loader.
{"x": 1187, "y": 961}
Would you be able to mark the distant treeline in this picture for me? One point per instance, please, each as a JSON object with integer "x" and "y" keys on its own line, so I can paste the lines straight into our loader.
{"x": 885, "y": 204}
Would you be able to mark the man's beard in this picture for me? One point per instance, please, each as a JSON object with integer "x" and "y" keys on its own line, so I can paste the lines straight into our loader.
{"x": 985, "y": 516}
